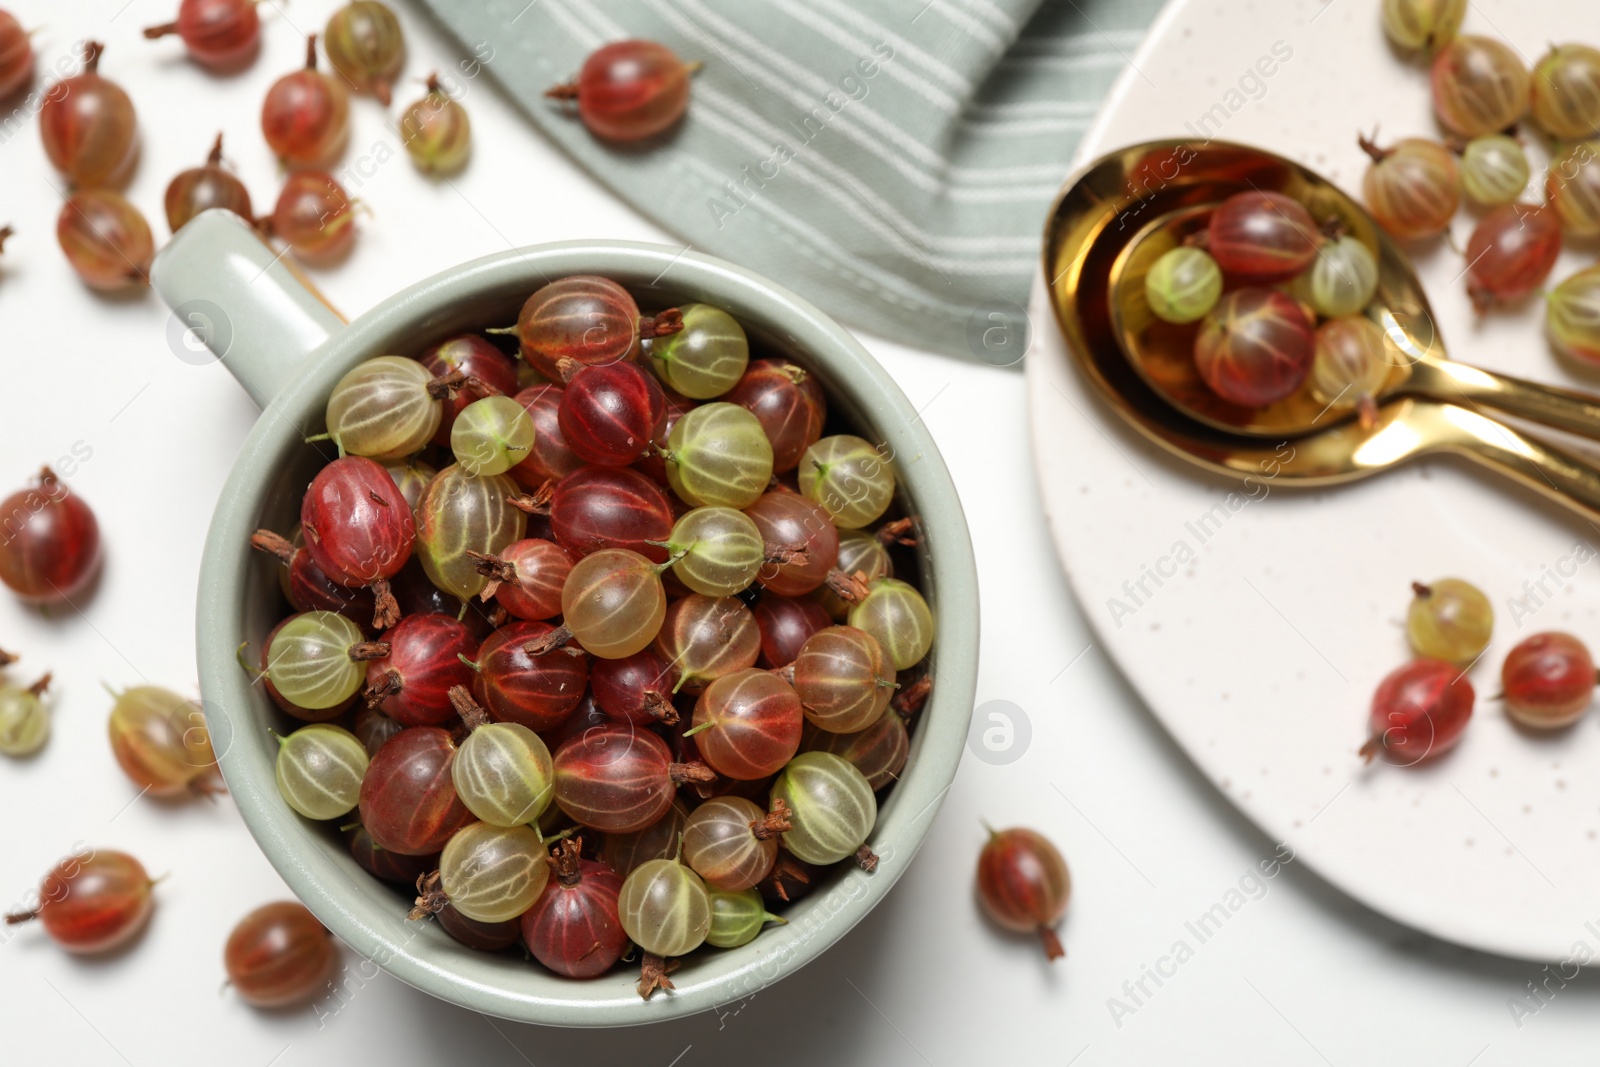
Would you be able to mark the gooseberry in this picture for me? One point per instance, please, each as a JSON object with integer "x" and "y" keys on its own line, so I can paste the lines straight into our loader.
{"x": 636, "y": 689}
{"x": 1343, "y": 278}
{"x": 1511, "y": 252}
{"x": 502, "y": 771}
{"x": 629, "y": 90}
{"x": 785, "y": 623}
{"x": 16, "y": 55}
{"x": 359, "y": 529}
{"x": 1494, "y": 169}
{"x": 573, "y": 928}
{"x": 488, "y": 873}
{"x": 1422, "y": 24}
{"x": 665, "y": 909}
{"x": 862, "y": 554}
{"x": 789, "y": 404}
{"x": 610, "y": 412}
{"x": 484, "y": 937}
{"x": 208, "y": 186}
{"x": 619, "y": 779}
{"x": 1419, "y": 710}
{"x": 1023, "y": 885}
{"x": 24, "y": 720}
{"x": 1183, "y": 285}
{"x": 393, "y": 867}
{"x": 105, "y": 239}
{"x": 731, "y": 843}
{"x": 850, "y": 478}
{"x": 537, "y": 689}
{"x": 313, "y": 216}
{"x": 586, "y": 318}
{"x": 1572, "y": 186}
{"x": 319, "y": 770}
{"x": 160, "y": 741}
{"x": 527, "y": 577}
{"x": 491, "y": 436}
{"x": 550, "y": 459}
{"x": 718, "y": 454}
{"x": 806, "y": 532}
{"x": 1548, "y": 681}
{"x": 92, "y": 902}
{"x": 412, "y": 683}
{"x": 1565, "y": 92}
{"x": 1351, "y": 366}
{"x": 306, "y": 115}
{"x": 436, "y": 131}
{"x": 610, "y": 507}
{"x": 1449, "y": 620}
{"x": 895, "y": 614}
{"x": 279, "y": 955}
{"x": 831, "y": 809}
{"x": 737, "y": 917}
{"x": 613, "y": 602}
{"x": 307, "y": 586}
{"x": 317, "y": 659}
{"x": 365, "y": 44}
{"x": 217, "y": 33}
{"x": 705, "y": 638}
{"x": 387, "y": 408}
{"x": 1255, "y": 347}
{"x": 1479, "y": 86}
{"x": 842, "y": 679}
{"x": 461, "y": 515}
{"x": 88, "y": 127}
{"x": 879, "y": 752}
{"x": 1412, "y": 188}
{"x": 51, "y": 550}
{"x": 1572, "y": 315}
{"x": 704, "y": 359}
{"x": 747, "y": 725}
{"x": 488, "y": 373}
{"x": 408, "y": 796}
{"x": 1262, "y": 236}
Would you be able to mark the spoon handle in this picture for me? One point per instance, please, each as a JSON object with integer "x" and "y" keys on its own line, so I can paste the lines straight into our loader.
{"x": 1558, "y": 475}
{"x": 1561, "y": 409}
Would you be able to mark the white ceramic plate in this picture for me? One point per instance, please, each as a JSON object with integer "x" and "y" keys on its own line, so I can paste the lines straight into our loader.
{"x": 1261, "y": 653}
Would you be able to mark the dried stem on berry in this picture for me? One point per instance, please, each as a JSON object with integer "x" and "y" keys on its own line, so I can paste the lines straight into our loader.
{"x": 909, "y": 700}
{"x": 38, "y": 688}
{"x": 378, "y": 692}
{"x": 534, "y": 503}
{"x": 567, "y": 91}
{"x": 430, "y": 896}
{"x": 469, "y": 710}
{"x": 273, "y": 545}
{"x": 775, "y": 822}
{"x": 1369, "y": 145}
{"x": 653, "y": 971}
{"x": 91, "y": 56}
{"x": 791, "y": 553}
{"x": 5, "y": 232}
{"x": 564, "y": 862}
{"x": 446, "y": 386}
{"x": 851, "y": 588}
{"x": 385, "y": 608}
{"x": 693, "y": 771}
{"x": 898, "y": 532}
{"x": 660, "y": 324}
{"x": 362, "y": 651}
{"x": 549, "y": 642}
{"x": 866, "y": 859}
{"x": 1052, "y": 944}
{"x": 497, "y": 570}
{"x": 1370, "y": 749}
{"x": 8, "y": 658}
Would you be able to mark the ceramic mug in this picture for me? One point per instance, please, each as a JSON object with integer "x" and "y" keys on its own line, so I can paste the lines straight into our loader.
{"x": 288, "y": 348}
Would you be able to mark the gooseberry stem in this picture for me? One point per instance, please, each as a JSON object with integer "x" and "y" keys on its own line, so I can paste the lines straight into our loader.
{"x": 391, "y": 685}
{"x": 897, "y": 532}
{"x": 775, "y": 822}
{"x": 8, "y": 658}
{"x": 274, "y": 545}
{"x": 471, "y": 713}
{"x": 498, "y": 571}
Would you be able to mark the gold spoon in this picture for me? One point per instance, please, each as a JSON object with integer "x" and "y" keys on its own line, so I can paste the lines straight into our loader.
{"x": 1095, "y": 218}
{"x": 1162, "y": 352}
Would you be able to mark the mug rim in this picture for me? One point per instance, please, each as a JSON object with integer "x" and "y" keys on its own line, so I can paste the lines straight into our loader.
{"x": 402, "y": 949}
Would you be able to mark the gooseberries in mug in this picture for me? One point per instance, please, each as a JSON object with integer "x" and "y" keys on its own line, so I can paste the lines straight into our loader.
{"x": 319, "y": 770}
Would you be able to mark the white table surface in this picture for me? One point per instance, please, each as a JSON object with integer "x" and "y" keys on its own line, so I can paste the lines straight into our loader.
{"x": 1297, "y": 975}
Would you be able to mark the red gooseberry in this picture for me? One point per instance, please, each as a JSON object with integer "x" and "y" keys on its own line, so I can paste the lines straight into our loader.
{"x": 1419, "y": 710}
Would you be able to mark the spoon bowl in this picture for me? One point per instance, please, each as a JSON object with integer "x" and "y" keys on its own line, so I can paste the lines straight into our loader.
{"x": 1094, "y": 247}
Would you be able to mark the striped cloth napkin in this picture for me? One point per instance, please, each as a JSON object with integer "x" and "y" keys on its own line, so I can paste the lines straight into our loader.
{"x": 891, "y": 160}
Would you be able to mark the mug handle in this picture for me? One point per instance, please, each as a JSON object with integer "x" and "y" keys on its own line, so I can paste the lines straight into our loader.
{"x": 245, "y": 302}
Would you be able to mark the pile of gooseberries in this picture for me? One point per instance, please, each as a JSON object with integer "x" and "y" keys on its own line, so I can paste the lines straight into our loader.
{"x": 1253, "y": 287}
{"x": 1421, "y": 709}
{"x": 659, "y": 613}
